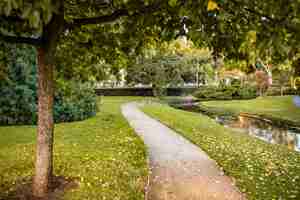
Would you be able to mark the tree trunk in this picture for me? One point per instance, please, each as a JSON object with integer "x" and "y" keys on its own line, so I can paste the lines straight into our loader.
{"x": 197, "y": 77}
{"x": 44, "y": 148}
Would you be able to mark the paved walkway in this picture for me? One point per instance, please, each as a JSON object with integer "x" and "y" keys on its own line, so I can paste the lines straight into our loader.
{"x": 179, "y": 169}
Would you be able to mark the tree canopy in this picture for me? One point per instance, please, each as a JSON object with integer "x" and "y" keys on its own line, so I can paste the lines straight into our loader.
{"x": 75, "y": 35}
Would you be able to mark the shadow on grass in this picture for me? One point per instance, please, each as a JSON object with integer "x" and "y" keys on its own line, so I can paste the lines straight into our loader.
{"x": 23, "y": 189}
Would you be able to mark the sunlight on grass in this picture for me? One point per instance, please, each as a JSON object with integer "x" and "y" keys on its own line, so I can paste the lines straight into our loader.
{"x": 275, "y": 106}
{"x": 103, "y": 154}
{"x": 263, "y": 171}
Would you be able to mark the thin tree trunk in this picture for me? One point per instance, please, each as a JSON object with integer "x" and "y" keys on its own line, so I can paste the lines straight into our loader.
{"x": 44, "y": 148}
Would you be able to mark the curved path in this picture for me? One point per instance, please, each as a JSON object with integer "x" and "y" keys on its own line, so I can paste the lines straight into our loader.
{"x": 179, "y": 169}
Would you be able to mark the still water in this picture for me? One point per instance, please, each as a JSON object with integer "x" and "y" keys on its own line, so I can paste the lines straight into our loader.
{"x": 263, "y": 129}
{"x": 252, "y": 125}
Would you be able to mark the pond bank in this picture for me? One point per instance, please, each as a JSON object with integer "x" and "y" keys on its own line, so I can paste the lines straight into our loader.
{"x": 281, "y": 110}
{"x": 253, "y": 125}
{"x": 261, "y": 170}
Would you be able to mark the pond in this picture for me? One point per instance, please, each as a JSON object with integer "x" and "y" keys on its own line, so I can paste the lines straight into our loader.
{"x": 253, "y": 125}
{"x": 263, "y": 129}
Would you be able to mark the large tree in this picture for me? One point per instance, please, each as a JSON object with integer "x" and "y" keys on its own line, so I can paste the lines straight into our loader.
{"x": 46, "y": 24}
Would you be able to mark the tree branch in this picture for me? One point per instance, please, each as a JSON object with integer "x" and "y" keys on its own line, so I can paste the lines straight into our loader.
{"x": 98, "y": 20}
{"x": 112, "y": 17}
{"x": 19, "y": 39}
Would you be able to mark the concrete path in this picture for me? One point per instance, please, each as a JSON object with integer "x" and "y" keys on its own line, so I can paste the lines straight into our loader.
{"x": 179, "y": 169}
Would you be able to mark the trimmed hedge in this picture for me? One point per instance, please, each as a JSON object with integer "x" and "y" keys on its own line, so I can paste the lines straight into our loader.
{"x": 226, "y": 92}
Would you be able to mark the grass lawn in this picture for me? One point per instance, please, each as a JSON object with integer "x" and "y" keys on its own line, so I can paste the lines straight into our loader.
{"x": 103, "y": 154}
{"x": 262, "y": 171}
{"x": 274, "y": 106}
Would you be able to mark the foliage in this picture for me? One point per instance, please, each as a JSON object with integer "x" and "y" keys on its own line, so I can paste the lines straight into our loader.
{"x": 160, "y": 72}
{"x": 275, "y": 24}
{"x": 262, "y": 171}
{"x": 75, "y": 101}
{"x": 238, "y": 29}
{"x": 18, "y": 88}
{"x": 226, "y": 92}
{"x": 231, "y": 64}
{"x": 18, "y": 96}
{"x": 46, "y": 24}
{"x": 248, "y": 48}
{"x": 80, "y": 58}
{"x": 88, "y": 32}
{"x": 170, "y": 64}
{"x": 102, "y": 155}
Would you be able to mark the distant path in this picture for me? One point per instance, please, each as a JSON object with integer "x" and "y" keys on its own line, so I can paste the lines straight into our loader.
{"x": 179, "y": 169}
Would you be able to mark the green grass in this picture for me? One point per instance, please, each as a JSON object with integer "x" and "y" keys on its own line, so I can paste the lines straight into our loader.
{"x": 102, "y": 153}
{"x": 262, "y": 171}
{"x": 274, "y": 106}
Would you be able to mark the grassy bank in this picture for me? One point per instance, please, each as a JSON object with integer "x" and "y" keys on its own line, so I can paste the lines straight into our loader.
{"x": 262, "y": 171}
{"x": 274, "y": 106}
{"x": 103, "y": 155}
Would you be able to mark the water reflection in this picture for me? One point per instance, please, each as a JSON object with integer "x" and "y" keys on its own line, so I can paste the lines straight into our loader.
{"x": 253, "y": 125}
{"x": 264, "y": 130}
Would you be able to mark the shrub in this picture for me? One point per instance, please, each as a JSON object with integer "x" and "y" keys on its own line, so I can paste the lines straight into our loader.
{"x": 18, "y": 97}
{"x": 18, "y": 85}
{"x": 75, "y": 102}
{"x": 226, "y": 92}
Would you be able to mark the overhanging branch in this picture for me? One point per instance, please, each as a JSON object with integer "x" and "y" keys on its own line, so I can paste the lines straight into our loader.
{"x": 112, "y": 17}
{"x": 98, "y": 20}
{"x": 19, "y": 39}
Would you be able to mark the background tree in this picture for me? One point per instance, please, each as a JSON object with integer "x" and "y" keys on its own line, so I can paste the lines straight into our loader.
{"x": 169, "y": 64}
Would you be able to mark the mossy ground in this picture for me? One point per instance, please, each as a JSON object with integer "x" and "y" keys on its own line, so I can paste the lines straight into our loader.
{"x": 103, "y": 155}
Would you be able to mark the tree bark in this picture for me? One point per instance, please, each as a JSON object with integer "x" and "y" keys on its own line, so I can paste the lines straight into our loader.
{"x": 44, "y": 148}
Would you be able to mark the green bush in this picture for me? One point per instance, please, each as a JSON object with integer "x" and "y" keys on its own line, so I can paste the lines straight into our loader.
{"x": 75, "y": 102}
{"x": 226, "y": 92}
{"x": 18, "y": 85}
{"x": 18, "y": 91}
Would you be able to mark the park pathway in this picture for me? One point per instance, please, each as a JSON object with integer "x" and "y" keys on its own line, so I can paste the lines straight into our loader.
{"x": 179, "y": 169}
